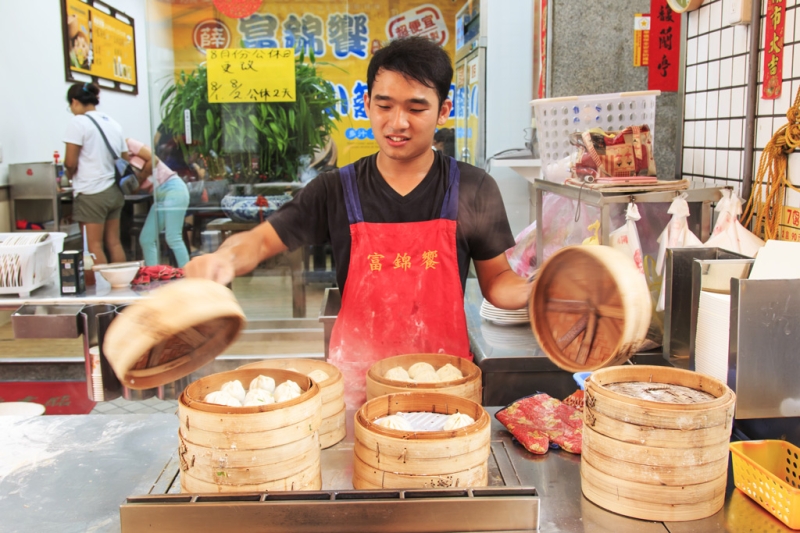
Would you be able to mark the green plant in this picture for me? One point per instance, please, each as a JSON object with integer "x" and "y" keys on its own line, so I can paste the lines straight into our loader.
{"x": 251, "y": 142}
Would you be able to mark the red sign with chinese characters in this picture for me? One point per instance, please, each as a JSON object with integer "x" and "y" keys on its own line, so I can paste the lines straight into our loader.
{"x": 665, "y": 47}
{"x": 773, "y": 49}
{"x": 211, "y": 34}
{"x": 425, "y": 21}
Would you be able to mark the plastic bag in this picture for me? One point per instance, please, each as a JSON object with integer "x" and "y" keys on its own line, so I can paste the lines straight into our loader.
{"x": 676, "y": 235}
{"x": 522, "y": 256}
{"x": 626, "y": 238}
{"x": 729, "y": 234}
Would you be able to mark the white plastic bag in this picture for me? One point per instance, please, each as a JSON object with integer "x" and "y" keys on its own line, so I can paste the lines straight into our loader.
{"x": 729, "y": 234}
{"x": 626, "y": 238}
{"x": 676, "y": 235}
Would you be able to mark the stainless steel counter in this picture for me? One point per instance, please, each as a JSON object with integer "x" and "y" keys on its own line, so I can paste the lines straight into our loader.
{"x": 101, "y": 293}
{"x": 69, "y": 474}
{"x": 511, "y": 360}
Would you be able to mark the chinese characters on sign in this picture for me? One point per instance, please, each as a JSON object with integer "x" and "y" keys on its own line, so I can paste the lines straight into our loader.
{"x": 251, "y": 75}
{"x": 424, "y": 21}
{"x": 790, "y": 224}
{"x": 641, "y": 40}
{"x": 211, "y": 33}
{"x": 775, "y": 26}
{"x": 404, "y": 261}
{"x": 665, "y": 50}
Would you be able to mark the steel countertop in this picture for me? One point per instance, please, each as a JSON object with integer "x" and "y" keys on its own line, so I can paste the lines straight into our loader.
{"x": 71, "y": 473}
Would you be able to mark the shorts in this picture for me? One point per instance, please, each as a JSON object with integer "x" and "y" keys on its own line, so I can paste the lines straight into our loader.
{"x": 98, "y": 208}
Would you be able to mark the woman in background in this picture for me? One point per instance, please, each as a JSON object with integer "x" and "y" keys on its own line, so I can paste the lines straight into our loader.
{"x": 98, "y": 201}
{"x": 168, "y": 211}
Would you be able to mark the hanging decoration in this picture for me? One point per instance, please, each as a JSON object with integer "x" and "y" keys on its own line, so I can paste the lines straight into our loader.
{"x": 774, "y": 31}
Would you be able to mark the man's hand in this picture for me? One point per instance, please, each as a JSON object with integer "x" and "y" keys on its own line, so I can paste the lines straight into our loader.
{"x": 219, "y": 267}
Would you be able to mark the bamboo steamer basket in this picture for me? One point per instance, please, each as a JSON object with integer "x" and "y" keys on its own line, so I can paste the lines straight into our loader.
{"x": 469, "y": 387}
{"x": 590, "y": 308}
{"x": 389, "y": 458}
{"x": 333, "y": 428}
{"x": 177, "y": 330}
{"x": 241, "y": 449}
{"x": 656, "y": 460}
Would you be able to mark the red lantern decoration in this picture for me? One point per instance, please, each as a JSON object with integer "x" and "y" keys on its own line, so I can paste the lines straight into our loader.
{"x": 237, "y": 9}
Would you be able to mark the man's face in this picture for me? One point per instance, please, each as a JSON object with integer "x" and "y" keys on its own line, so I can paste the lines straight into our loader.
{"x": 404, "y": 114}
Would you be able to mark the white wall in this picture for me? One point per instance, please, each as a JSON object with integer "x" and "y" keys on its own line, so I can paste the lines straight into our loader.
{"x": 33, "y": 104}
{"x": 509, "y": 75}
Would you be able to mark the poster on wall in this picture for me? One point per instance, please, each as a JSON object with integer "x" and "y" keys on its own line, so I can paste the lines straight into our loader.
{"x": 99, "y": 42}
{"x": 341, "y": 35}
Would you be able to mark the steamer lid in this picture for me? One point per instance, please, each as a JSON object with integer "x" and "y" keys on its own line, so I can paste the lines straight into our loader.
{"x": 180, "y": 328}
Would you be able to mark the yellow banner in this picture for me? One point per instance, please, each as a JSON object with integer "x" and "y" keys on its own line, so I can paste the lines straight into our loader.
{"x": 98, "y": 44}
{"x": 342, "y": 36}
{"x": 251, "y": 75}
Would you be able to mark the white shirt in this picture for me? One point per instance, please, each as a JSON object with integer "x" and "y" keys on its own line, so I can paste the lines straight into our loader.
{"x": 95, "y": 164}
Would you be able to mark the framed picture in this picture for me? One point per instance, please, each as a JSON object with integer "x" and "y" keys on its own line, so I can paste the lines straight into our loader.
{"x": 99, "y": 42}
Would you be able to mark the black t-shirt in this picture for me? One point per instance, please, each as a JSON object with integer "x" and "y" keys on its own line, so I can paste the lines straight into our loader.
{"x": 318, "y": 214}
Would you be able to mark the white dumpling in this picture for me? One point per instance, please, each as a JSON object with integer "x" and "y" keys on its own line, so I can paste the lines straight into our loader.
{"x": 318, "y": 375}
{"x": 420, "y": 368}
{"x": 258, "y": 397}
{"x": 394, "y": 422}
{"x": 397, "y": 373}
{"x": 449, "y": 373}
{"x": 457, "y": 420}
{"x": 222, "y": 398}
{"x": 235, "y": 389}
{"x": 427, "y": 377}
{"x": 264, "y": 383}
{"x": 286, "y": 391}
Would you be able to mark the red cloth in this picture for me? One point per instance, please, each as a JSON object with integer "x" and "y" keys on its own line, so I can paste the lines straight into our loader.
{"x": 156, "y": 273}
{"x": 537, "y": 420}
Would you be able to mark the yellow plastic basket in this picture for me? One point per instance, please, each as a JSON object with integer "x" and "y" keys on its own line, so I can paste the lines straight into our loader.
{"x": 766, "y": 470}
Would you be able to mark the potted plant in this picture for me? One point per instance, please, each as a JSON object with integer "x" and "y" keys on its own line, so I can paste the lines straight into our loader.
{"x": 252, "y": 143}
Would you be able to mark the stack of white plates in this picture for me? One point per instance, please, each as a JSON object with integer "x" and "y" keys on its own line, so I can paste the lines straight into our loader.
{"x": 711, "y": 340}
{"x": 503, "y": 317}
{"x": 504, "y": 337}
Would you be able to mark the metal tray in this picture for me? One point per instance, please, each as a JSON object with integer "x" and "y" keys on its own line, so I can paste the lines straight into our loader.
{"x": 46, "y": 322}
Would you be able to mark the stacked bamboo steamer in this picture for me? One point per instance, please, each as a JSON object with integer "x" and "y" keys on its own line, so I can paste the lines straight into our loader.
{"x": 333, "y": 428}
{"x": 655, "y": 442}
{"x": 183, "y": 326}
{"x": 590, "y": 308}
{"x": 389, "y": 458}
{"x": 469, "y": 387}
{"x": 245, "y": 449}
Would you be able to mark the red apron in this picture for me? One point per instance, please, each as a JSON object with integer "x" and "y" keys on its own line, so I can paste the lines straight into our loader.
{"x": 403, "y": 293}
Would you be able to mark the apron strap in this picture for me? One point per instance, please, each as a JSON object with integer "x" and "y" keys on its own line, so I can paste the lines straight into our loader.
{"x": 351, "y": 200}
{"x": 450, "y": 203}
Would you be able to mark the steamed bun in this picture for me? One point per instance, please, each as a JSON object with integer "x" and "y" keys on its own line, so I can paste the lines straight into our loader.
{"x": 426, "y": 377}
{"x": 286, "y": 391}
{"x": 457, "y": 420}
{"x": 449, "y": 373}
{"x": 397, "y": 373}
{"x": 420, "y": 368}
{"x": 235, "y": 389}
{"x": 258, "y": 397}
{"x": 222, "y": 398}
{"x": 318, "y": 375}
{"x": 394, "y": 422}
{"x": 263, "y": 382}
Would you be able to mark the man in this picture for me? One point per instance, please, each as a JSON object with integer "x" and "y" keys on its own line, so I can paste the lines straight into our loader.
{"x": 403, "y": 223}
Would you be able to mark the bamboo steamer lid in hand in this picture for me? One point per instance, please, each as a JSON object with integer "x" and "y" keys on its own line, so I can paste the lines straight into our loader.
{"x": 178, "y": 329}
{"x": 590, "y": 308}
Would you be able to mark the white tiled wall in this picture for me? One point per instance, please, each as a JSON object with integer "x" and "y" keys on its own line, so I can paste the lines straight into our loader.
{"x": 716, "y": 91}
{"x": 714, "y": 106}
